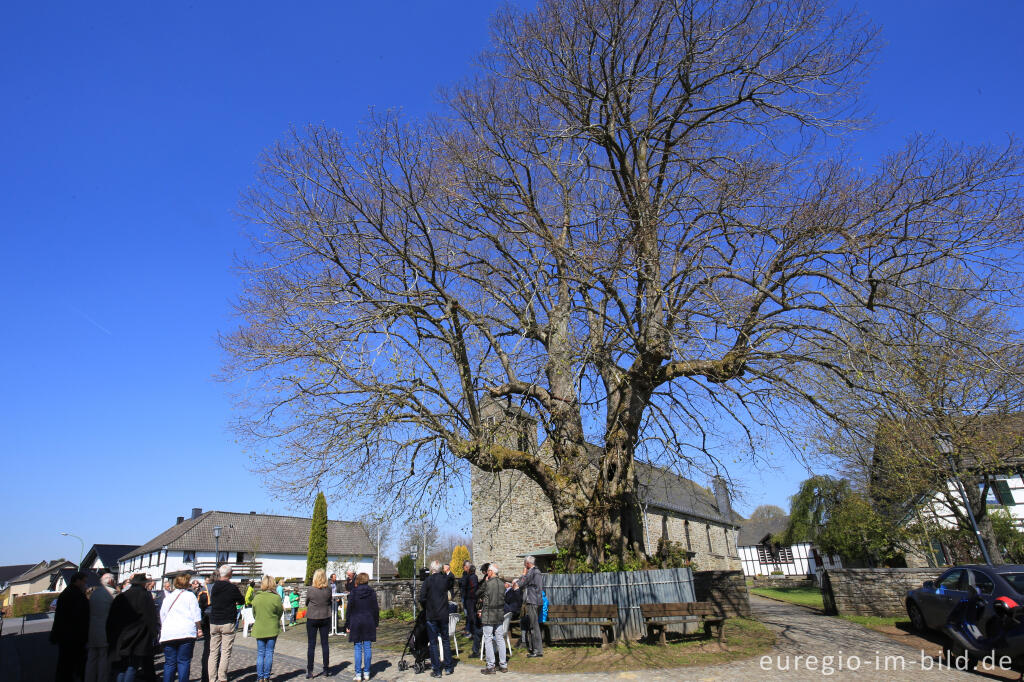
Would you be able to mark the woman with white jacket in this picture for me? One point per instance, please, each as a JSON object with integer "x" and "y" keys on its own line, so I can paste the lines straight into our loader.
{"x": 180, "y": 625}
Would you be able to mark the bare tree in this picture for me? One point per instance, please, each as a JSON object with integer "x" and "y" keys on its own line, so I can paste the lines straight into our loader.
{"x": 626, "y": 225}
{"x": 379, "y": 528}
{"x": 422, "y": 534}
{"x": 943, "y": 365}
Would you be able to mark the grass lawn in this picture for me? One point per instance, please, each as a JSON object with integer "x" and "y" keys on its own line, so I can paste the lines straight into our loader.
{"x": 880, "y": 623}
{"x": 803, "y": 596}
{"x": 743, "y": 638}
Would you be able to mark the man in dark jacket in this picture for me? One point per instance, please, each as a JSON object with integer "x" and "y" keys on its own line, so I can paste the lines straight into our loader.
{"x": 468, "y": 585}
{"x": 513, "y": 599}
{"x": 132, "y": 625}
{"x": 434, "y": 600}
{"x": 70, "y": 631}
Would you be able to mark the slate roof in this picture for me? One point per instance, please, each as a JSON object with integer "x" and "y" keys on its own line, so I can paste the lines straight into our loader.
{"x": 9, "y": 572}
{"x": 260, "y": 533}
{"x": 663, "y": 489}
{"x": 753, "y": 532}
{"x": 42, "y": 568}
{"x": 107, "y": 554}
{"x": 92, "y": 578}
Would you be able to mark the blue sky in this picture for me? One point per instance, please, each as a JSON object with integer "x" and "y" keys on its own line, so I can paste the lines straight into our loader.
{"x": 129, "y": 131}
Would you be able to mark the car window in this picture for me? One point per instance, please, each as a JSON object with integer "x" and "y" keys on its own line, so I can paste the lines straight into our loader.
{"x": 951, "y": 581}
{"x": 1016, "y": 581}
{"x": 982, "y": 582}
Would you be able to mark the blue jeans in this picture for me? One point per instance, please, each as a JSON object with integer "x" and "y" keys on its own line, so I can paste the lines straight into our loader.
{"x": 177, "y": 659}
{"x": 264, "y": 656}
{"x": 435, "y": 629}
{"x": 363, "y": 653}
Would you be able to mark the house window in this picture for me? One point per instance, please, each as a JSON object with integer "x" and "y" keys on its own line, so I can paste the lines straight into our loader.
{"x": 242, "y": 557}
{"x": 188, "y": 556}
{"x": 222, "y": 557}
{"x": 774, "y": 555}
{"x": 686, "y": 530}
{"x": 707, "y": 529}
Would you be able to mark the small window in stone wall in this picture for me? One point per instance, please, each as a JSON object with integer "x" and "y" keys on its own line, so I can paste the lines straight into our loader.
{"x": 707, "y": 529}
{"x": 686, "y": 531}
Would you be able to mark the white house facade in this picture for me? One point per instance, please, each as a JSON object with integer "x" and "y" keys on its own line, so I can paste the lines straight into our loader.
{"x": 760, "y": 555}
{"x": 252, "y": 544}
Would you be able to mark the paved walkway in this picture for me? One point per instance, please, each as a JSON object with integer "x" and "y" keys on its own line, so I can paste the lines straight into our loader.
{"x": 810, "y": 646}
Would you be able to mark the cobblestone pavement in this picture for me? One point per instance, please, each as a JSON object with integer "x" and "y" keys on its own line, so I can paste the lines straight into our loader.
{"x": 805, "y": 641}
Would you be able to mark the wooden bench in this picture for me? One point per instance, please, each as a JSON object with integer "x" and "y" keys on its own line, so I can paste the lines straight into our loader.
{"x": 603, "y": 616}
{"x": 658, "y": 616}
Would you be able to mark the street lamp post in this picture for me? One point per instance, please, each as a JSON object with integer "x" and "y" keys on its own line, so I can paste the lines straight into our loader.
{"x": 216, "y": 547}
{"x": 81, "y": 542}
{"x": 944, "y": 442}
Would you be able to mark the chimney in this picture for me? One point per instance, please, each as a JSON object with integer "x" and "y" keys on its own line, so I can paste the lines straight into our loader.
{"x": 722, "y": 497}
{"x": 197, "y": 512}
{"x": 180, "y": 519}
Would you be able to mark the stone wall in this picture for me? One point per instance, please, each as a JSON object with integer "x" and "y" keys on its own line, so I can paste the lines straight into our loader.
{"x": 772, "y": 581}
{"x": 395, "y": 594}
{"x": 871, "y": 591}
{"x": 725, "y": 589}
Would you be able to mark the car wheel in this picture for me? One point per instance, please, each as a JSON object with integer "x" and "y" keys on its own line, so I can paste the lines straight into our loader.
{"x": 916, "y": 617}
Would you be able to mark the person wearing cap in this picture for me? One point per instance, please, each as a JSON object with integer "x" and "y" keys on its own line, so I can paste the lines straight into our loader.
{"x": 132, "y": 625}
{"x": 70, "y": 631}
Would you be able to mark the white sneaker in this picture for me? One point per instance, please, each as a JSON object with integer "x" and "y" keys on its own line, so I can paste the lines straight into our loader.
{"x": 358, "y": 678}
{"x": 366, "y": 676}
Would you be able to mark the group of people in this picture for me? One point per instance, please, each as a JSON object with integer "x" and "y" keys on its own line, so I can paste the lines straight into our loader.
{"x": 485, "y": 604}
{"x": 103, "y": 634}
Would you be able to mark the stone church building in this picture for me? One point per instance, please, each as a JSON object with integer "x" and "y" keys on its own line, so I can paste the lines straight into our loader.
{"x": 512, "y": 517}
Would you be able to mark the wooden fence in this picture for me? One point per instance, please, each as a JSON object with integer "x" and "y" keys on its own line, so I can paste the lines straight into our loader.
{"x": 627, "y": 590}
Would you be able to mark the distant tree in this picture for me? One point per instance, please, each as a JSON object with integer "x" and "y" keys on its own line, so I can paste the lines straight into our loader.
{"x": 316, "y": 557}
{"x": 768, "y": 512}
{"x": 459, "y": 555}
{"x": 839, "y": 520}
{"x": 406, "y": 566}
{"x": 422, "y": 534}
{"x": 372, "y": 524}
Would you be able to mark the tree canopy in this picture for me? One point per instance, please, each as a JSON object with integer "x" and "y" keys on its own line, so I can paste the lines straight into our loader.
{"x": 629, "y": 223}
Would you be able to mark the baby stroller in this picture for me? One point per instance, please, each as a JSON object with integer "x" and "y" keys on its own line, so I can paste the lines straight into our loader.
{"x": 417, "y": 644}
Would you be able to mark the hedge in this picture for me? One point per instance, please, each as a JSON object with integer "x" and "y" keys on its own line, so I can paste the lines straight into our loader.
{"x": 27, "y": 604}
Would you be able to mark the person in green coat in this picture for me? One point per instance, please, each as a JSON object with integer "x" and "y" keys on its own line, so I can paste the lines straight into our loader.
{"x": 267, "y": 611}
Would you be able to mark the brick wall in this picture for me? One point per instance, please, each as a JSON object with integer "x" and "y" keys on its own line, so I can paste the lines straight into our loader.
{"x": 872, "y": 591}
{"x": 725, "y": 589}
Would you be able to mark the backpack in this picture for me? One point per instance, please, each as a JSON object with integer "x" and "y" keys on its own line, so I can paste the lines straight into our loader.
{"x": 543, "y": 606}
